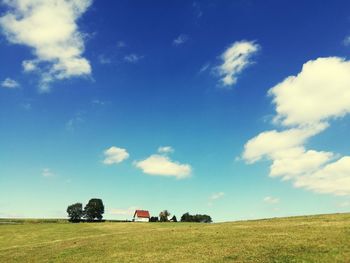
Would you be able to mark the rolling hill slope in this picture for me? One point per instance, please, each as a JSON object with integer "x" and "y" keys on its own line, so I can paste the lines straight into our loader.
{"x": 322, "y": 238}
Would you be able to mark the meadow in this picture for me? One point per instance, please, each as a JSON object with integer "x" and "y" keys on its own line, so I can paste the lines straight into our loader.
{"x": 322, "y": 238}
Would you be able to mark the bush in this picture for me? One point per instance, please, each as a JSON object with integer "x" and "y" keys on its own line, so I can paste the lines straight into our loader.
{"x": 154, "y": 219}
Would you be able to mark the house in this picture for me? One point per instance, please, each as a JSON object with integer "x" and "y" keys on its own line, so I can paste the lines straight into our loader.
{"x": 141, "y": 216}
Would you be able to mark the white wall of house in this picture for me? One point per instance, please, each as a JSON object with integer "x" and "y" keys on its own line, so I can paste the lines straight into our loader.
{"x": 141, "y": 219}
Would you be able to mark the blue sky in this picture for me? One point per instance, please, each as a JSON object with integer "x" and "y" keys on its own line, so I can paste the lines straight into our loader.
{"x": 236, "y": 109}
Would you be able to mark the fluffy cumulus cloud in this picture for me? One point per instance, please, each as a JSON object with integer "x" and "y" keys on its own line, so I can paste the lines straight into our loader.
{"x": 234, "y": 60}
{"x": 305, "y": 105}
{"x": 162, "y": 165}
{"x": 50, "y": 28}
{"x": 332, "y": 178}
{"x": 268, "y": 143}
{"x": 297, "y": 161}
{"x": 115, "y": 155}
{"x": 9, "y": 83}
{"x": 319, "y": 92}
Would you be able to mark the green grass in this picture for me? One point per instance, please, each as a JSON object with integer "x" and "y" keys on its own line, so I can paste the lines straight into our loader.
{"x": 324, "y": 238}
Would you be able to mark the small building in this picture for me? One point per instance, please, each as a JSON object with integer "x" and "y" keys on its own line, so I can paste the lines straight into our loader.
{"x": 141, "y": 216}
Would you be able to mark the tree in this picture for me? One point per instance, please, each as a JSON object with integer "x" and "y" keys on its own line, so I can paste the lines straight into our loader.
{"x": 94, "y": 210}
{"x": 186, "y": 217}
{"x": 75, "y": 212}
{"x": 173, "y": 219}
{"x": 163, "y": 216}
{"x": 203, "y": 218}
{"x": 196, "y": 218}
{"x": 154, "y": 219}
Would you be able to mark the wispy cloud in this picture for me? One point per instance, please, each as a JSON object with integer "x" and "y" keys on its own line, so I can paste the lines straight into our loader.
{"x": 181, "y": 39}
{"x": 165, "y": 149}
{"x": 271, "y": 200}
{"x": 121, "y": 44}
{"x": 46, "y": 172}
{"x": 75, "y": 121}
{"x": 204, "y": 68}
{"x": 29, "y": 66}
{"x": 9, "y": 84}
{"x": 197, "y": 10}
{"x": 26, "y": 106}
{"x": 49, "y": 27}
{"x": 99, "y": 102}
{"x": 234, "y": 60}
{"x": 216, "y": 196}
{"x": 346, "y": 41}
{"x": 132, "y": 58}
{"x": 102, "y": 59}
{"x": 115, "y": 155}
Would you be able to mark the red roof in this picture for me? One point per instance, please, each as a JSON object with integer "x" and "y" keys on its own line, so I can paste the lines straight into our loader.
{"x": 142, "y": 213}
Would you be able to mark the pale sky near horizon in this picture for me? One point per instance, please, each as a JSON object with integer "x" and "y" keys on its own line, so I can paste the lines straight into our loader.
{"x": 236, "y": 109}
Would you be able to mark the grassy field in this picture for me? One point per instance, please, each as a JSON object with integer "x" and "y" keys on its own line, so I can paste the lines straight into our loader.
{"x": 324, "y": 238}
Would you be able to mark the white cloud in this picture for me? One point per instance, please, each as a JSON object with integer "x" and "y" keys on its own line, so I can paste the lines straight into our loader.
{"x": 319, "y": 92}
{"x": 216, "y": 196}
{"x": 48, "y": 27}
{"x": 132, "y": 58}
{"x": 46, "y": 172}
{"x": 9, "y": 84}
{"x": 235, "y": 59}
{"x": 269, "y": 142}
{"x": 271, "y": 200}
{"x": 165, "y": 149}
{"x": 297, "y": 161}
{"x": 115, "y": 155}
{"x": 333, "y": 178}
{"x": 29, "y": 65}
{"x": 163, "y": 166}
{"x": 305, "y": 104}
{"x": 181, "y": 39}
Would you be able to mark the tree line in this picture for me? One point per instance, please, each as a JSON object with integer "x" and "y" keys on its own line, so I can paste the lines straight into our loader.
{"x": 93, "y": 211}
{"x": 164, "y": 217}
